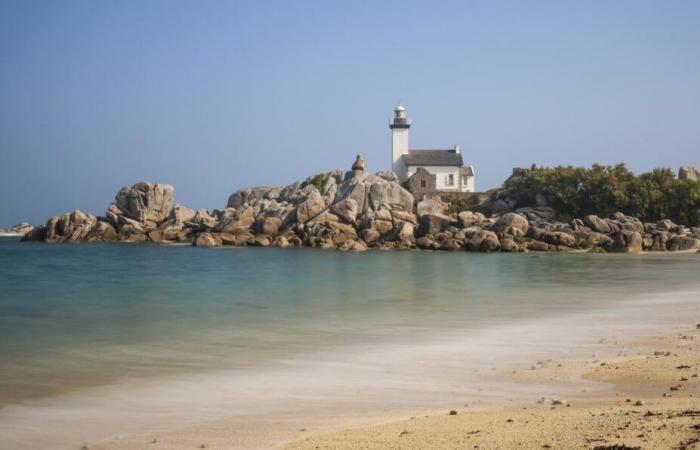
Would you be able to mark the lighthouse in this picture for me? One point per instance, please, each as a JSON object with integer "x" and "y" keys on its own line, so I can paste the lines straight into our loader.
{"x": 399, "y": 125}
{"x": 427, "y": 171}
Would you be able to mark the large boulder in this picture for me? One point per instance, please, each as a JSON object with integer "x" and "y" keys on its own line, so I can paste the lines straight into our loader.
{"x": 624, "y": 241}
{"x": 21, "y": 228}
{"x": 401, "y": 232}
{"x": 432, "y": 224}
{"x": 391, "y": 194}
{"x": 372, "y": 192}
{"x": 559, "y": 238}
{"x": 483, "y": 241}
{"x": 430, "y": 206}
{"x": 208, "y": 240}
{"x": 360, "y": 163}
{"x": 689, "y": 173}
{"x": 512, "y": 223}
{"x": 346, "y": 209}
{"x": 683, "y": 243}
{"x": 182, "y": 214}
{"x": 469, "y": 218}
{"x": 311, "y": 207}
{"x": 73, "y": 227}
{"x": 245, "y": 197}
{"x": 147, "y": 203}
{"x": 596, "y": 224}
{"x": 538, "y": 214}
{"x": 388, "y": 175}
{"x": 236, "y": 220}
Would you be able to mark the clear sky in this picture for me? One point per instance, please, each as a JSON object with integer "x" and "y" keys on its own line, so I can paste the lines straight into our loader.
{"x": 215, "y": 96}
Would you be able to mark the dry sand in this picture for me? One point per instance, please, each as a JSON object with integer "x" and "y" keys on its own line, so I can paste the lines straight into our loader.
{"x": 655, "y": 406}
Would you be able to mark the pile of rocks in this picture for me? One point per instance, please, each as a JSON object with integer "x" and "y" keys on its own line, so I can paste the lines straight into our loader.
{"x": 354, "y": 210}
{"x": 515, "y": 232}
{"x": 19, "y": 229}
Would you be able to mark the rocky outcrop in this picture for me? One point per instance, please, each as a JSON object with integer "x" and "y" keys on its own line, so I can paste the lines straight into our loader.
{"x": 360, "y": 163}
{"x": 146, "y": 203}
{"x": 430, "y": 206}
{"x": 689, "y": 173}
{"x": 355, "y": 211}
{"x": 73, "y": 227}
{"x": 19, "y": 229}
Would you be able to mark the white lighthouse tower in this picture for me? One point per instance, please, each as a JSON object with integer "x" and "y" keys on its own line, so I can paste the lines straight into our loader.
{"x": 399, "y": 125}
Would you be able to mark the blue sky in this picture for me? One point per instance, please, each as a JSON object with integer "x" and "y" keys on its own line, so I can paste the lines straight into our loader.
{"x": 216, "y": 96}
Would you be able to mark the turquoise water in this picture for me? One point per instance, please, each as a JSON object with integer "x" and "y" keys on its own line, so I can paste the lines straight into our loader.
{"x": 72, "y": 315}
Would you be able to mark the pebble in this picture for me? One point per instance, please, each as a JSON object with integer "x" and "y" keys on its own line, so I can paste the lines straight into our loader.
{"x": 453, "y": 412}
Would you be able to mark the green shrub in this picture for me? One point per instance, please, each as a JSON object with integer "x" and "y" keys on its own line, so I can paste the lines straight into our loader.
{"x": 320, "y": 180}
{"x": 603, "y": 190}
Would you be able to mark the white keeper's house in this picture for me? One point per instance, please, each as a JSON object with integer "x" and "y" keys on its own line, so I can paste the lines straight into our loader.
{"x": 434, "y": 170}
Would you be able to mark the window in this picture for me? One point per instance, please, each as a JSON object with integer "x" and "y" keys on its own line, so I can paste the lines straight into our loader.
{"x": 423, "y": 184}
{"x": 465, "y": 179}
{"x": 450, "y": 180}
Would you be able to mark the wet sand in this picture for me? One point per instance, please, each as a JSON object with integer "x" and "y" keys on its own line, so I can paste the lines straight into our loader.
{"x": 648, "y": 397}
{"x": 655, "y": 404}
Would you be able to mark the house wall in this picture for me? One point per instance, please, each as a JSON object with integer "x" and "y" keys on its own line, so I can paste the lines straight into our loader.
{"x": 471, "y": 186}
{"x": 415, "y": 185}
{"x": 441, "y": 173}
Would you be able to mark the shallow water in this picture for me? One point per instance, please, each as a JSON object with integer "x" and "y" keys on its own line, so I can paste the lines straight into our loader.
{"x": 133, "y": 333}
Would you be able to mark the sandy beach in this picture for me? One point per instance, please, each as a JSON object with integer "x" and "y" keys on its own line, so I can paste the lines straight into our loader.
{"x": 655, "y": 405}
{"x": 647, "y": 398}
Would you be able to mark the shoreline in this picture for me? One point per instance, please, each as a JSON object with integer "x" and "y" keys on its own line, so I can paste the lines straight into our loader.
{"x": 656, "y": 404}
{"x": 374, "y": 428}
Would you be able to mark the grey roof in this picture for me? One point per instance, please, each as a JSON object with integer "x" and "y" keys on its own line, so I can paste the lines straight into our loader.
{"x": 433, "y": 158}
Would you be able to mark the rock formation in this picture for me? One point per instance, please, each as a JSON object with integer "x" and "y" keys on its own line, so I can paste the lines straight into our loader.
{"x": 18, "y": 229}
{"x": 689, "y": 173}
{"x": 354, "y": 211}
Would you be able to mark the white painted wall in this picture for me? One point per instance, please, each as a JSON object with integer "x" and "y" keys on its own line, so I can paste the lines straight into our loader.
{"x": 470, "y": 186}
{"x": 441, "y": 177}
{"x": 399, "y": 147}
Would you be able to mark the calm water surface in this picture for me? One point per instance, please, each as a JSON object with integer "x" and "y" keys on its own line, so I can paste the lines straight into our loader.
{"x": 76, "y": 314}
{"x": 77, "y": 317}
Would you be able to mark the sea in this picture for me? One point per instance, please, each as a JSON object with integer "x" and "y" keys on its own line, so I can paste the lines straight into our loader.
{"x": 99, "y": 341}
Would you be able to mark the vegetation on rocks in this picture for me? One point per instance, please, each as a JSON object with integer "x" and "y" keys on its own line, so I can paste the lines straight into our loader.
{"x": 319, "y": 181}
{"x": 603, "y": 190}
